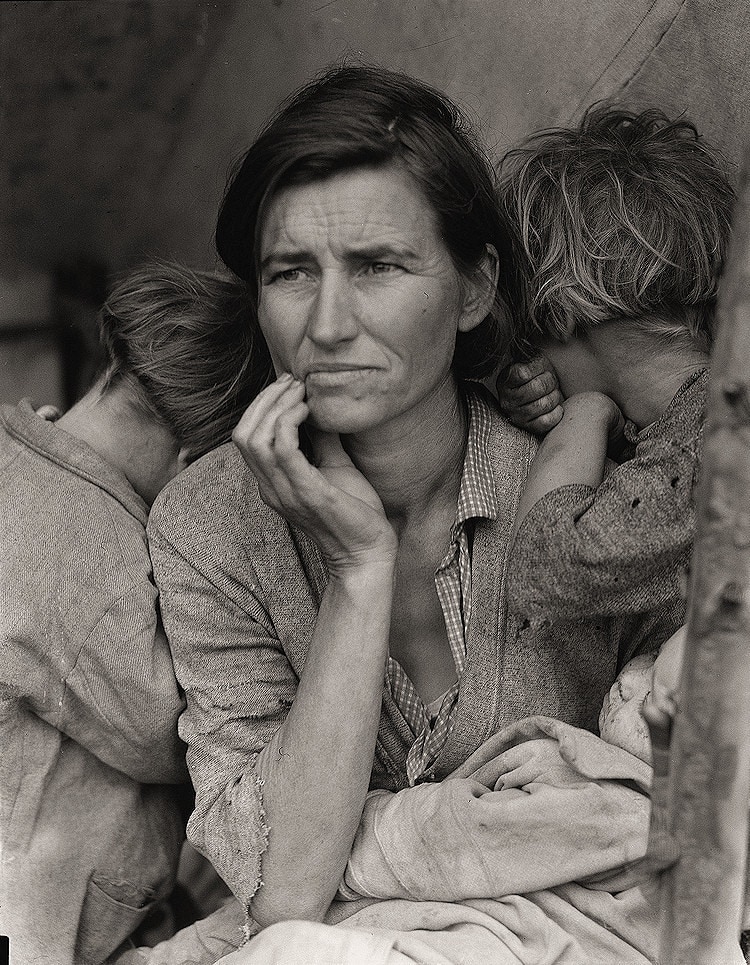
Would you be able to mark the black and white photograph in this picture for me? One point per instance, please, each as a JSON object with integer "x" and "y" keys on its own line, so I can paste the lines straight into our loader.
{"x": 374, "y": 482}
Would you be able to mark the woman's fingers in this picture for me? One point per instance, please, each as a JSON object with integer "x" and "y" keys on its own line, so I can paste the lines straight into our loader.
{"x": 285, "y": 455}
{"x": 328, "y": 450}
{"x": 256, "y": 429}
{"x": 331, "y": 501}
{"x": 262, "y": 405}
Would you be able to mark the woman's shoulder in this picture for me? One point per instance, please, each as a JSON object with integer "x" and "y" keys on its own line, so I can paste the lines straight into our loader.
{"x": 219, "y": 479}
{"x": 510, "y": 449}
{"x": 215, "y": 498}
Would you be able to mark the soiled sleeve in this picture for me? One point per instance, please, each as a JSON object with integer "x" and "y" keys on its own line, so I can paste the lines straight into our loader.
{"x": 121, "y": 700}
{"x": 238, "y": 685}
{"x": 540, "y": 823}
{"x": 616, "y": 550}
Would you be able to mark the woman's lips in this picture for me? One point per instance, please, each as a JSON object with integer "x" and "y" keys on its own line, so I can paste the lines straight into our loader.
{"x": 323, "y": 378}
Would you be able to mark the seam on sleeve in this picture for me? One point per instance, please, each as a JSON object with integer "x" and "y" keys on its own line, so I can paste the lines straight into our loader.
{"x": 261, "y": 615}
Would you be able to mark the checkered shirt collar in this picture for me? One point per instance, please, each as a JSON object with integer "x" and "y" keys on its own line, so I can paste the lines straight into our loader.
{"x": 477, "y": 495}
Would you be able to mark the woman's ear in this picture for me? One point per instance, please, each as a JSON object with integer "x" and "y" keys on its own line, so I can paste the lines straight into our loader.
{"x": 480, "y": 291}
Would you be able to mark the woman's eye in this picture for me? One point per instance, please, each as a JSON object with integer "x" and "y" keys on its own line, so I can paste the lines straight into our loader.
{"x": 382, "y": 267}
{"x": 288, "y": 274}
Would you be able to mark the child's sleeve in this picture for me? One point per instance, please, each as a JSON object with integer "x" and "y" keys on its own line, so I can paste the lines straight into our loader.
{"x": 618, "y": 549}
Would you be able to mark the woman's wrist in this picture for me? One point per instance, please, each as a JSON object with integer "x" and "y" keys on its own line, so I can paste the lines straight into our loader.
{"x": 375, "y": 572}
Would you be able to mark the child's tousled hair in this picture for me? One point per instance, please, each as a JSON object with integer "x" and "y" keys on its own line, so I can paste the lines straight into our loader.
{"x": 188, "y": 345}
{"x": 626, "y": 215}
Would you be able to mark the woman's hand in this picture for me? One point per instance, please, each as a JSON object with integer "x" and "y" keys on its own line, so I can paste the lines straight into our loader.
{"x": 331, "y": 501}
{"x": 530, "y": 396}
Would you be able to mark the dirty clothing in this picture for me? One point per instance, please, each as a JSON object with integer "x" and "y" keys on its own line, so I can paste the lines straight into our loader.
{"x": 529, "y": 853}
{"x": 240, "y": 591}
{"x": 89, "y": 754}
{"x": 623, "y": 547}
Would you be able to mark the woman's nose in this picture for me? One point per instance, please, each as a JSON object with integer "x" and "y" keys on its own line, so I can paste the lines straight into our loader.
{"x": 332, "y": 315}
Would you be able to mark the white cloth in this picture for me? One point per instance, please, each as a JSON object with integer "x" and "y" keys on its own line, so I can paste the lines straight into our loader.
{"x": 527, "y": 855}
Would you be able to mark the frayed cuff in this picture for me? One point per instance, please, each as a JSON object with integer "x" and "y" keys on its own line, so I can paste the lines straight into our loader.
{"x": 234, "y": 836}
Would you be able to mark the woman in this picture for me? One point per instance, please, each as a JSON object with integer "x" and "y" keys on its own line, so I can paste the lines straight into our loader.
{"x": 341, "y": 623}
{"x": 92, "y": 769}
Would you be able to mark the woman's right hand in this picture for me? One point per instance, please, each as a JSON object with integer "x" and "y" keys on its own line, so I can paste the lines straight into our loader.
{"x": 331, "y": 501}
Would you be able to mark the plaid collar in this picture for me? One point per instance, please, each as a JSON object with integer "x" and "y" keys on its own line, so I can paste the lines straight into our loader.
{"x": 477, "y": 496}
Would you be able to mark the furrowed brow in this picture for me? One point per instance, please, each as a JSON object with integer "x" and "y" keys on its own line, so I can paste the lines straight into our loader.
{"x": 382, "y": 251}
{"x": 286, "y": 256}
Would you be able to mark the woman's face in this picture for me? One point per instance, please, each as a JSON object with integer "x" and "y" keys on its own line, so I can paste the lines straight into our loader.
{"x": 359, "y": 297}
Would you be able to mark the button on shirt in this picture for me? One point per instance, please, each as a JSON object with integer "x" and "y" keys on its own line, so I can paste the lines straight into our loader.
{"x": 477, "y": 498}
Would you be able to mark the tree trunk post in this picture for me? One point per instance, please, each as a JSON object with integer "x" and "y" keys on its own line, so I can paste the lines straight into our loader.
{"x": 709, "y": 780}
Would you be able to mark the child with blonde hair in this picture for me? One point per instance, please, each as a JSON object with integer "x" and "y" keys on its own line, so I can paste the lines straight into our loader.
{"x": 620, "y": 227}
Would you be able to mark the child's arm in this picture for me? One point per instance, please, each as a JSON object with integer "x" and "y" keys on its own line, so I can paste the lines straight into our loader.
{"x": 619, "y": 548}
{"x": 574, "y": 452}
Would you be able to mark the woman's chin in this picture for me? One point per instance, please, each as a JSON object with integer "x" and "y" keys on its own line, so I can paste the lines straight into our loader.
{"x": 343, "y": 416}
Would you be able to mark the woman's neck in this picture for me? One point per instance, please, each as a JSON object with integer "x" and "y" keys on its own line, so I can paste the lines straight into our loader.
{"x": 415, "y": 462}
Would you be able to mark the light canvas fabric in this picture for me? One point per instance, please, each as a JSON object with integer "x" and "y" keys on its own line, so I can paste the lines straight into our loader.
{"x": 528, "y": 854}
{"x": 90, "y": 824}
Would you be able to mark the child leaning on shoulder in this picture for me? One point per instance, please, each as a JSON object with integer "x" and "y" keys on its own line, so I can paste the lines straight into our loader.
{"x": 620, "y": 228}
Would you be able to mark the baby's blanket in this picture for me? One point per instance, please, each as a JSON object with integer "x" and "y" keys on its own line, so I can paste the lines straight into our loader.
{"x": 527, "y": 855}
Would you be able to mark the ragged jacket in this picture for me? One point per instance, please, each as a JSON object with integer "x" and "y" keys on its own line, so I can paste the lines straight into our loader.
{"x": 90, "y": 818}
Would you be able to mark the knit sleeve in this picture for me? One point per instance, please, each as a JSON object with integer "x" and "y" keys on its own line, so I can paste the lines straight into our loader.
{"x": 617, "y": 550}
{"x": 238, "y": 686}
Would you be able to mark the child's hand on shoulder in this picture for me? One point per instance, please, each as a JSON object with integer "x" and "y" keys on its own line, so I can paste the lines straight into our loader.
{"x": 530, "y": 396}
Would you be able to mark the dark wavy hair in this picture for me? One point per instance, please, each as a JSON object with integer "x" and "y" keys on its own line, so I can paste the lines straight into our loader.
{"x": 626, "y": 215}
{"x": 366, "y": 116}
{"x": 188, "y": 346}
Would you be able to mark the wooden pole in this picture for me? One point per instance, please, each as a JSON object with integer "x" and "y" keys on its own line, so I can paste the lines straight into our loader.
{"x": 709, "y": 774}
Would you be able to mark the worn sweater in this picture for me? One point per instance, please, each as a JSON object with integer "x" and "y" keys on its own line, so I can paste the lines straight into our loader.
{"x": 622, "y": 548}
{"x": 240, "y": 592}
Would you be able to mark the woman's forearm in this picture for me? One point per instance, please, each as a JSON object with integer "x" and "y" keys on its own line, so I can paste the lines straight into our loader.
{"x": 316, "y": 769}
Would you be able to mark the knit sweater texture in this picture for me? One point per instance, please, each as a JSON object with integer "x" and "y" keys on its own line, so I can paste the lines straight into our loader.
{"x": 622, "y": 548}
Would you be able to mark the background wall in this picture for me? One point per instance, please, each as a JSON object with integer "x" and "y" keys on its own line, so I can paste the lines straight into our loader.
{"x": 120, "y": 119}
